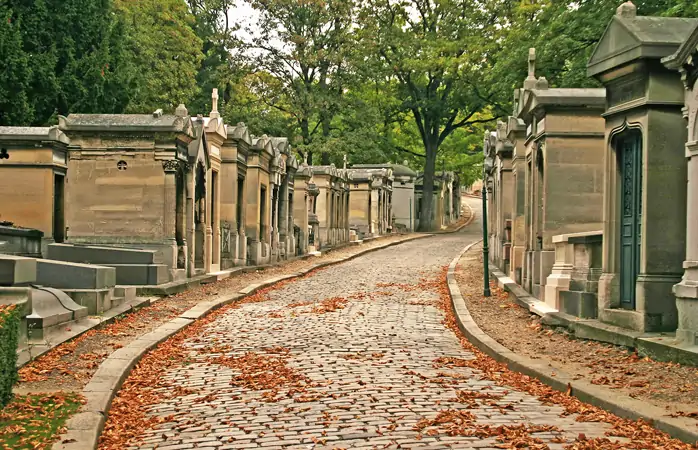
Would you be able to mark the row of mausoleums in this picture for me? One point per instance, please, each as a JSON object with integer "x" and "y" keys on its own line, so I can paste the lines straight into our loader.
{"x": 594, "y": 201}
{"x": 203, "y": 195}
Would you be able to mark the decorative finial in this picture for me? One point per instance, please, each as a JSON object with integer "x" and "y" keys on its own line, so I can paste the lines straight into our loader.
{"x": 542, "y": 83}
{"x": 181, "y": 111}
{"x": 214, "y": 104}
{"x": 627, "y": 10}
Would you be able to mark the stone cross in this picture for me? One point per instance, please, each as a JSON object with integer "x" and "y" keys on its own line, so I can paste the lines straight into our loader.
{"x": 305, "y": 158}
{"x": 214, "y": 108}
{"x": 532, "y": 63}
{"x": 345, "y": 162}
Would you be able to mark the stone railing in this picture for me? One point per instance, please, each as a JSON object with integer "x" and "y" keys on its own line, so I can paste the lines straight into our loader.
{"x": 572, "y": 285}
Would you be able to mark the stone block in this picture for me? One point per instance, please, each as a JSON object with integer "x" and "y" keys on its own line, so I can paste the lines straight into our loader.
{"x": 70, "y": 275}
{"x": 141, "y": 274}
{"x": 17, "y": 270}
{"x": 579, "y": 304}
{"x": 96, "y": 301}
{"x": 100, "y": 255}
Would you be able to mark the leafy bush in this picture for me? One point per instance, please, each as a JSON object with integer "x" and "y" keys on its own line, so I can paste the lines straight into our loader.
{"x": 9, "y": 334}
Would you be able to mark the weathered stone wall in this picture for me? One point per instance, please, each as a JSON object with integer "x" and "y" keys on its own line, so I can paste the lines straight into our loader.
{"x": 109, "y": 205}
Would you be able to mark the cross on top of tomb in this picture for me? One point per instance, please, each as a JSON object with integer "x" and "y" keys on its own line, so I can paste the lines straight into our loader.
{"x": 531, "y": 63}
{"x": 214, "y": 104}
{"x": 345, "y": 162}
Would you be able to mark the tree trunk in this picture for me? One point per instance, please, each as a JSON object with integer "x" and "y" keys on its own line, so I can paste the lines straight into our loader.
{"x": 425, "y": 220}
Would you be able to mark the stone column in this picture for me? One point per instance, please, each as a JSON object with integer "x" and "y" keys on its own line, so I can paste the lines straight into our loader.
{"x": 191, "y": 230}
{"x": 208, "y": 237}
{"x": 687, "y": 290}
{"x": 282, "y": 214}
{"x": 170, "y": 212}
{"x": 242, "y": 233}
{"x": 216, "y": 221}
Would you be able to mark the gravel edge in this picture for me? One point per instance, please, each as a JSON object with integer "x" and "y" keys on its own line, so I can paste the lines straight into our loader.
{"x": 620, "y": 405}
{"x": 84, "y": 428}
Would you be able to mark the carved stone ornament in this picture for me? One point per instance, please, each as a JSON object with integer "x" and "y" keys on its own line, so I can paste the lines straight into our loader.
{"x": 171, "y": 165}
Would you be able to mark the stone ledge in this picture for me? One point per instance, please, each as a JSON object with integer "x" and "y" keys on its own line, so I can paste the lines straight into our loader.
{"x": 658, "y": 346}
{"x": 84, "y": 429}
{"x": 620, "y": 405}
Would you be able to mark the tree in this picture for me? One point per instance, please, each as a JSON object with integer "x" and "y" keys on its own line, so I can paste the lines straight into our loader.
{"x": 15, "y": 108}
{"x": 432, "y": 50}
{"x": 166, "y": 52}
{"x": 222, "y": 66}
{"x": 304, "y": 45}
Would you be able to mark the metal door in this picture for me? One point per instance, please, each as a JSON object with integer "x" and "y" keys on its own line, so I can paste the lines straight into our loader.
{"x": 630, "y": 156}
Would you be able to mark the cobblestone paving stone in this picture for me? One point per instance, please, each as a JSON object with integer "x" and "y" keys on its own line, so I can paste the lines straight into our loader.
{"x": 370, "y": 365}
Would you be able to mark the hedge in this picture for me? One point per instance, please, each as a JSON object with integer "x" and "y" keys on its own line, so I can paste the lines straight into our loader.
{"x": 9, "y": 334}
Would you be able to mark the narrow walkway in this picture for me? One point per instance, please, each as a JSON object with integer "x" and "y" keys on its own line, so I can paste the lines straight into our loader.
{"x": 353, "y": 356}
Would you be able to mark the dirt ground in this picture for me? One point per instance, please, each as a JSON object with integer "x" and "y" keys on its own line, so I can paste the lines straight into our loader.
{"x": 618, "y": 369}
{"x": 69, "y": 366}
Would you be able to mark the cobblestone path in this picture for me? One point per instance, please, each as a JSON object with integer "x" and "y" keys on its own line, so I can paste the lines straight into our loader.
{"x": 350, "y": 353}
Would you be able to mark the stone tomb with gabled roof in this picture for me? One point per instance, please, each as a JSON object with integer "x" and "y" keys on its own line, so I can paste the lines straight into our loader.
{"x": 644, "y": 238}
{"x": 370, "y": 211}
{"x": 331, "y": 206}
{"x": 140, "y": 181}
{"x": 402, "y": 200}
{"x": 563, "y": 153}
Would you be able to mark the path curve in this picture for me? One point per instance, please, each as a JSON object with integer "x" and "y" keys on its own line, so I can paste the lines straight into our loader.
{"x": 351, "y": 356}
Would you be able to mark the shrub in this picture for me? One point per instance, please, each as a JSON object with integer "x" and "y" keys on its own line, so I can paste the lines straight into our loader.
{"x": 9, "y": 334}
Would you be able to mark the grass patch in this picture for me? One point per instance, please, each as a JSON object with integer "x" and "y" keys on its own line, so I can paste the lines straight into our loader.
{"x": 34, "y": 421}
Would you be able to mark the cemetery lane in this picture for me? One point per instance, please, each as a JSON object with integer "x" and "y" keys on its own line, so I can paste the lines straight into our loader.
{"x": 357, "y": 355}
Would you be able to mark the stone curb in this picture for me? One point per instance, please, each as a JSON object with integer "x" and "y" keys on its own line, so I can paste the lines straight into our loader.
{"x": 620, "y": 405}
{"x": 85, "y": 427}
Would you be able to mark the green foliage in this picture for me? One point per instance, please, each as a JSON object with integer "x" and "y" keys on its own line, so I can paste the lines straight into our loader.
{"x": 161, "y": 43}
{"x": 9, "y": 335}
{"x": 221, "y": 66}
{"x": 73, "y": 54}
{"x": 15, "y": 108}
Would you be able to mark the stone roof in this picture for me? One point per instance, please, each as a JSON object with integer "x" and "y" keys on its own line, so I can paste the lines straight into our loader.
{"x": 33, "y": 134}
{"x": 330, "y": 170}
{"x": 281, "y": 144}
{"x": 686, "y": 49}
{"x": 629, "y": 37}
{"x": 239, "y": 132}
{"x": 124, "y": 122}
{"x": 399, "y": 170}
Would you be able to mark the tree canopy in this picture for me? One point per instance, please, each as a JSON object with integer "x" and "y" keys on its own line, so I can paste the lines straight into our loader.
{"x": 414, "y": 81}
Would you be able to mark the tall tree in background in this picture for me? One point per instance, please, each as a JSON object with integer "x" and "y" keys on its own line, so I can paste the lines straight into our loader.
{"x": 165, "y": 50}
{"x": 303, "y": 45}
{"x": 222, "y": 66}
{"x": 74, "y": 57}
{"x": 15, "y": 108}
{"x": 433, "y": 51}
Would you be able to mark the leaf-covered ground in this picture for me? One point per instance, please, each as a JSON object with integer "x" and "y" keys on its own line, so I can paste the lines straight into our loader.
{"x": 62, "y": 372}
{"x": 620, "y": 370}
